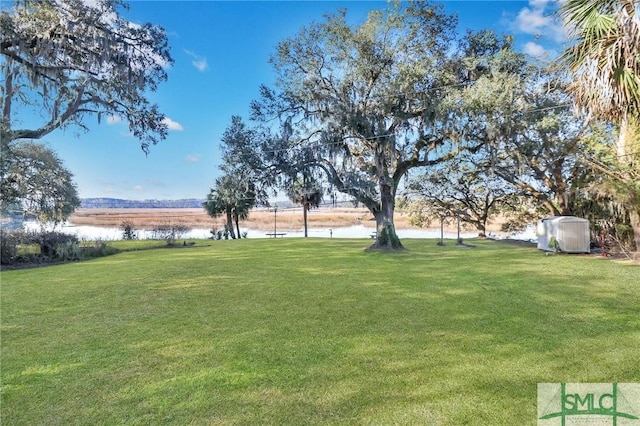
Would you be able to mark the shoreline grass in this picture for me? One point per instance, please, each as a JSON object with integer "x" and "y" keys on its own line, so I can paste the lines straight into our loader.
{"x": 290, "y": 219}
{"x": 312, "y": 332}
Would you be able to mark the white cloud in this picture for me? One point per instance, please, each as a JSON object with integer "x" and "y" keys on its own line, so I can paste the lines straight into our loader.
{"x": 540, "y": 20}
{"x": 193, "y": 158}
{"x": 531, "y": 21}
{"x": 200, "y": 62}
{"x": 172, "y": 125}
{"x": 138, "y": 188}
{"x": 114, "y": 119}
{"x": 534, "y": 49}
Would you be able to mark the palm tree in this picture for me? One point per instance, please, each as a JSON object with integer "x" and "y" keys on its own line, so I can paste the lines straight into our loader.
{"x": 605, "y": 63}
{"x": 605, "y": 59}
{"x": 232, "y": 197}
{"x": 217, "y": 205}
{"x": 308, "y": 194}
{"x": 244, "y": 203}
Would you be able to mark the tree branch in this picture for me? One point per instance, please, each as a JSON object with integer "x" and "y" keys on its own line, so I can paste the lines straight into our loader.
{"x": 54, "y": 123}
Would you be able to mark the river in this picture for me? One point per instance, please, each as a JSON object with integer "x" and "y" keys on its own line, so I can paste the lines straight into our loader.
{"x": 97, "y": 233}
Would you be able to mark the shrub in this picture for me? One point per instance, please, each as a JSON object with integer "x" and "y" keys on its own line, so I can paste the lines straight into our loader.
{"x": 128, "y": 230}
{"x": 8, "y": 247}
{"x": 220, "y": 234}
{"x": 51, "y": 245}
{"x": 69, "y": 250}
{"x": 216, "y": 234}
{"x": 97, "y": 249}
{"x": 624, "y": 236}
{"x": 56, "y": 245}
{"x": 21, "y": 247}
{"x": 169, "y": 232}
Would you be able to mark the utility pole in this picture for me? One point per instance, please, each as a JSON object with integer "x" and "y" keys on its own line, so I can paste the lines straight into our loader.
{"x": 275, "y": 221}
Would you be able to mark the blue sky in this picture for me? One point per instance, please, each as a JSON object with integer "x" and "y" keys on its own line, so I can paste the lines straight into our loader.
{"x": 221, "y": 52}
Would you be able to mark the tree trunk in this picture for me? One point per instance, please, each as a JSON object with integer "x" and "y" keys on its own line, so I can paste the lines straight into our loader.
{"x": 230, "y": 225}
{"x": 386, "y": 237}
{"x": 564, "y": 204}
{"x": 634, "y": 219}
{"x": 625, "y": 132}
{"x": 551, "y": 207}
{"x": 629, "y": 128}
{"x": 305, "y": 209}
{"x": 236, "y": 218}
{"x": 482, "y": 229}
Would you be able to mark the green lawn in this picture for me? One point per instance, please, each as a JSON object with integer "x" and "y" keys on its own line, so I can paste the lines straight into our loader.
{"x": 303, "y": 332}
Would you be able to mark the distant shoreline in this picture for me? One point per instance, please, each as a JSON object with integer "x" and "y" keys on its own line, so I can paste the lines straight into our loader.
{"x": 118, "y": 203}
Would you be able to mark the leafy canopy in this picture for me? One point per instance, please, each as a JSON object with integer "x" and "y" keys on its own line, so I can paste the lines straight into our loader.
{"x": 69, "y": 59}
{"x": 366, "y": 104}
{"x": 41, "y": 185}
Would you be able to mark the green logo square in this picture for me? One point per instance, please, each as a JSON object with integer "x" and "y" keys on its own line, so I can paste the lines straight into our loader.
{"x": 589, "y": 404}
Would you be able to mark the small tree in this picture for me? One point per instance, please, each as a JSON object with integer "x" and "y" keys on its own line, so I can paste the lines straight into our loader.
{"x": 37, "y": 179}
{"x": 128, "y": 230}
{"x": 309, "y": 194}
{"x": 169, "y": 232}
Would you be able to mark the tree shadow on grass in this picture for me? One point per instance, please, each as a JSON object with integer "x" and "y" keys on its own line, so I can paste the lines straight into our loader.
{"x": 317, "y": 337}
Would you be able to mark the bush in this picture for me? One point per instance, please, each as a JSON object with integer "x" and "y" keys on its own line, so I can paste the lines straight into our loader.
{"x": 97, "y": 249}
{"x": 8, "y": 247}
{"x": 624, "y": 236}
{"x": 220, "y": 234}
{"x": 57, "y": 246}
{"x": 69, "y": 250}
{"x": 128, "y": 230}
{"x": 169, "y": 232}
{"x": 17, "y": 248}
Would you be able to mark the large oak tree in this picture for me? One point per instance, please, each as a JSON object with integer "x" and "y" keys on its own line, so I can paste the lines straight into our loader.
{"x": 540, "y": 154}
{"x": 366, "y": 104}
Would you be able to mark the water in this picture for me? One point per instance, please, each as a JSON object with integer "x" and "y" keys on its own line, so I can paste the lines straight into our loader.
{"x": 98, "y": 233}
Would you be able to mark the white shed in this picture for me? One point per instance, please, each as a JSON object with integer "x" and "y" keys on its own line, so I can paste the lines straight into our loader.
{"x": 571, "y": 233}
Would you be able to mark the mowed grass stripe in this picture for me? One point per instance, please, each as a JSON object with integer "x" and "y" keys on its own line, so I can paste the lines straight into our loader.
{"x": 297, "y": 331}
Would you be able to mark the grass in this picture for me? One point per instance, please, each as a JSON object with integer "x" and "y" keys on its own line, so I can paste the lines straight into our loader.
{"x": 295, "y": 331}
{"x": 290, "y": 219}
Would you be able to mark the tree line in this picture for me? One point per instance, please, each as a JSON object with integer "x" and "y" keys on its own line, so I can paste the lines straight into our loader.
{"x": 400, "y": 111}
